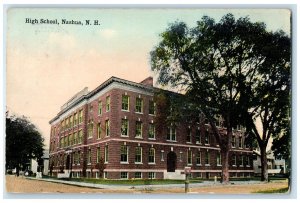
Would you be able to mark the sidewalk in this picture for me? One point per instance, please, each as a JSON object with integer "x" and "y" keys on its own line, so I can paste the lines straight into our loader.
{"x": 104, "y": 186}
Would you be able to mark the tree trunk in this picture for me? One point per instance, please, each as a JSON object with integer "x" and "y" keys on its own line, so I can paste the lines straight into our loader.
{"x": 264, "y": 163}
{"x": 225, "y": 165}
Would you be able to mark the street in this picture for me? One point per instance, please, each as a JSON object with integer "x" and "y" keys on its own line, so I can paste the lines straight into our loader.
{"x": 23, "y": 185}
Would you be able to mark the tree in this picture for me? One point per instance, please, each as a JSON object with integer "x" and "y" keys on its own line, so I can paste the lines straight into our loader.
{"x": 216, "y": 65}
{"x": 23, "y": 143}
{"x": 269, "y": 94}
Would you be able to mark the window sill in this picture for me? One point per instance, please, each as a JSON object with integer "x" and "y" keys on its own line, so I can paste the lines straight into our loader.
{"x": 207, "y": 144}
{"x": 152, "y": 163}
{"x": 199, "y": 143}
{"x": 125, "y": 110}
{"x": 219, "y": 164}
{"x": 89, "y": 164}
{"x": 248, "y": 166}
{"x": 139, "y": 113}
{"x": 150, "y": 114}
{"x": 105, "y": 162}
{"x": 121, "y": 162}
{"x": 189, "y": 164}
{"x": 138, "y": 163}
{"x": 90, "y": 138}
{"x": 151, "y": 139}
{"x": 234, "y": 165}
{"x": 124, "y": 135}
{"x": 171, "y": 141}
{"x": 207, "y": 164}
{"x": 198, "y": 164}
{"x": 138, "y": 138}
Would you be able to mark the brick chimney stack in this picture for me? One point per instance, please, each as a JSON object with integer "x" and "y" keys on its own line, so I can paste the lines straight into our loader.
{"x": 148, "y": 81}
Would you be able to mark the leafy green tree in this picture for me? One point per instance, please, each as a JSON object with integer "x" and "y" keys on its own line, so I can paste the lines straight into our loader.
{"x": 269, "y": 94}
{"x": 23, "y": 143}
{"x": 216, "y": 64}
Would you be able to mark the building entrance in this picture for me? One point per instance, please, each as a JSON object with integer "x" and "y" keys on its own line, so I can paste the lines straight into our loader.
{"x": 171, "y": 161}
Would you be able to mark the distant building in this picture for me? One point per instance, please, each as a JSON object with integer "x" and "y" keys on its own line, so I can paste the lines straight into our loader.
{"x": 116, "y": 123}
{"x": 43, "y": 168}
{"x": 275, "y": 166}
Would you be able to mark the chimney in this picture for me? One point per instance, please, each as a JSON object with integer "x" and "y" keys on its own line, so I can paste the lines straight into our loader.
{"x": 148, "y": 81}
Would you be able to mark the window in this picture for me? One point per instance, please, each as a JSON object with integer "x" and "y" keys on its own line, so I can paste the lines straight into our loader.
{"x": 89, "y": 161}
{"x": 66, "y": 141}
{"x": 151, "y": 132}
{"x": 233, "y": 142}
{"x": 234, "y": 160}
{"x": 189, "y": 157}
{"x": 124, "y": 153}
{"x": 124, "y": 127}
{"x": 80, "y": 116}
{"x": 138, "y": 155}
{"x": 151, "y": 175}
{"x": 151, "y": 155}
{"x": 241, "y": 160}
{"x": 71, "y": 139}
{"x": 100, "y": 108}
{"x": 80, "y": 136}
{"x": 105, "y": 175}
{"x": 139, "y": 105}
{"x": 207, "y": 158}
{"x": 206, "y": 137}
{"x": 198, "y": 136}
{"x": 76, "y": 158}
{"x": 240, "y": 142}
{"x": 138, "y": 175}
{"x": 67, "y": 123}
{"x": 107, "y": 103}
{"x": 98, "y": 154}
{"x": 106, "y": 154}
{"x": 71, "y": 121}
{"x": 138, "y": 129}
{"x": 107, "y": 128}
{"x": 79, "y": 157}
{"x": 152, "y": 107}
{"x": 75, "y": 119}
{"x": 124, "y": 175}
{"x": 189, "y": 135}
{"x": 90, "y": 128}
{"x": 75, "y": 138}
{"x": 162, "y": 155}
{"x": 219, "y": 159}
{"x": 171, "y": 134}
{"x": 125, "y": 102}
{"x": 247, "y": 160}
{"x": 98, "y": 130}
{"x": 198, "y": 158}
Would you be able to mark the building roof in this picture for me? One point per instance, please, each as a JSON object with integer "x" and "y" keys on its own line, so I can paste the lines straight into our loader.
{"x": 84, "y": 94}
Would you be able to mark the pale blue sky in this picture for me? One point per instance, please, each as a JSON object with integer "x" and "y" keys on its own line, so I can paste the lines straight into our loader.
{"x": 48, "y": 64}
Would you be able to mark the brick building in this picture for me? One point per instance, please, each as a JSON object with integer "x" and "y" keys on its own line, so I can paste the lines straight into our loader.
{"x": 114, "y": 123}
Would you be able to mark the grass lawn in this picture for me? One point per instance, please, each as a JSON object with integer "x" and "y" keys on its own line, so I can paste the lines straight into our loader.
{"x": 281, "y": 190}
{"x": 132, "y": 181}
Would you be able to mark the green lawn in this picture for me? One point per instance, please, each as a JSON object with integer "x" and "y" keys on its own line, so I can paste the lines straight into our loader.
{"x": 281, "y": 190}
{"x": 132, "y": 181}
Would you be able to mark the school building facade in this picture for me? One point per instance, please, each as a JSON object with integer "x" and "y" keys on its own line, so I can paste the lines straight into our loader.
{"x": 112, "y": 130}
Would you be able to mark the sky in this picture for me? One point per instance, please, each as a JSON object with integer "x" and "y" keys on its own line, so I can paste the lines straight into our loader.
{"x": 46, "y": 64}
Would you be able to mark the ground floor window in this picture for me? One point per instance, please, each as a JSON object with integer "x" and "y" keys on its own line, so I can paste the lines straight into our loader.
{"x": 151, "y": 175}
{"x": 138, "y": 175}
{"x": 97, "y": 174}
{"x": 105, "y": 175}
{"x": 124, "y": 175}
